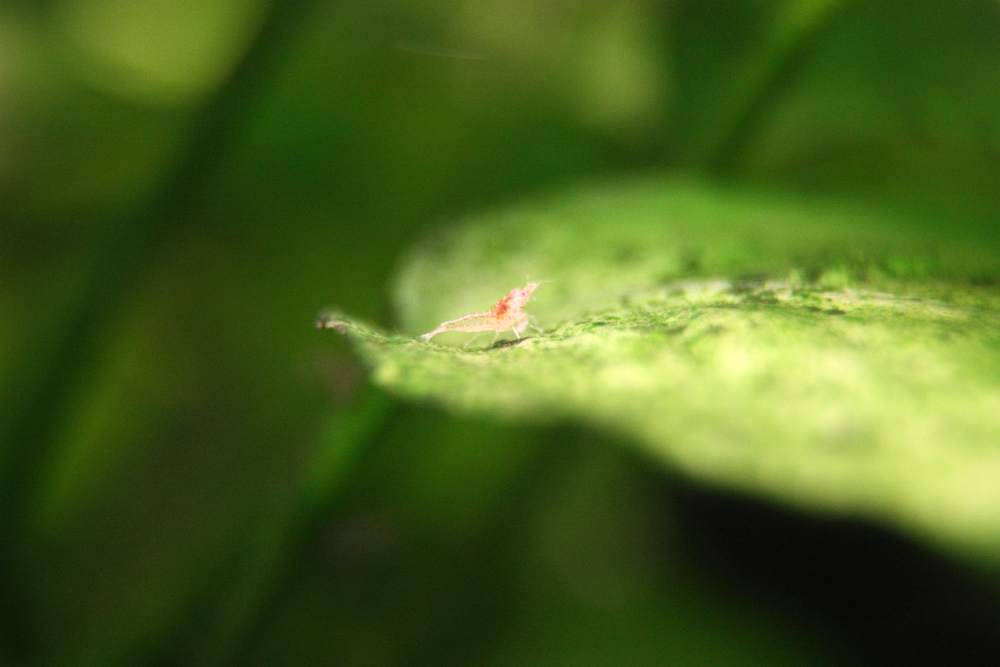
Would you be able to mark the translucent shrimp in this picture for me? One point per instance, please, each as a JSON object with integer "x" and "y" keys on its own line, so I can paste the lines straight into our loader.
{"x": 507, "y": 315}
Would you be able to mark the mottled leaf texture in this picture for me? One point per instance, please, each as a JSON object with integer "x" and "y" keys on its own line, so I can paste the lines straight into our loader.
{"x": 841, "y": 360}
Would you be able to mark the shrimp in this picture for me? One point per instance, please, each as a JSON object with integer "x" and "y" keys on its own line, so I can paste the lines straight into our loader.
{"x": 507, "y": 315}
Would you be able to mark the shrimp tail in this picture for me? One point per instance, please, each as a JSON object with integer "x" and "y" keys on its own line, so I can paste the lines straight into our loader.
{"x": 427, "y": 336}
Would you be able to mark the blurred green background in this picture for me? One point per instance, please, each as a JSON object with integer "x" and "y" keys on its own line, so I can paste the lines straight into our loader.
{"x": 192, "y": 474}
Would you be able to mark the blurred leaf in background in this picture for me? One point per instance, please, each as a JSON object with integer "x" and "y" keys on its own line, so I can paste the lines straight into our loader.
{"x": 191, "y": 473}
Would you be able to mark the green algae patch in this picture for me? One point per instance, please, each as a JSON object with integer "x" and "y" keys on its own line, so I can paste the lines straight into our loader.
{"x": 871, "y": 389}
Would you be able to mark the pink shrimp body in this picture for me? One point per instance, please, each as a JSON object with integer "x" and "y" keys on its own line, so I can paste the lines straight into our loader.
{"x": 507, "y": 314}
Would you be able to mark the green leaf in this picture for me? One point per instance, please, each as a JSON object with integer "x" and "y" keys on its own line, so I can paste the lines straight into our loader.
{"x": 602, "y": 578}
{"x": 731, "y": 58}
{"x": 178, "y": 475}
{"x": 529, "y": 546}
{"x": 156, "y": 52}
{"x": 836, "y": 359}
{"x": 890, "y": 101}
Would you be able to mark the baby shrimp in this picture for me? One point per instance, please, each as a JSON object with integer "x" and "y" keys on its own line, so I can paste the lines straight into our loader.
{"x": 507, "y": 315}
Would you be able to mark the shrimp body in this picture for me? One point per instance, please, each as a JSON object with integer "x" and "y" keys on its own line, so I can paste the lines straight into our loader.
{"x": 507, "y": 315}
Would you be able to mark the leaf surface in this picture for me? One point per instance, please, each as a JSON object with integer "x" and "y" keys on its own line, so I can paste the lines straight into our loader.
{"x": 836, "y": 359}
